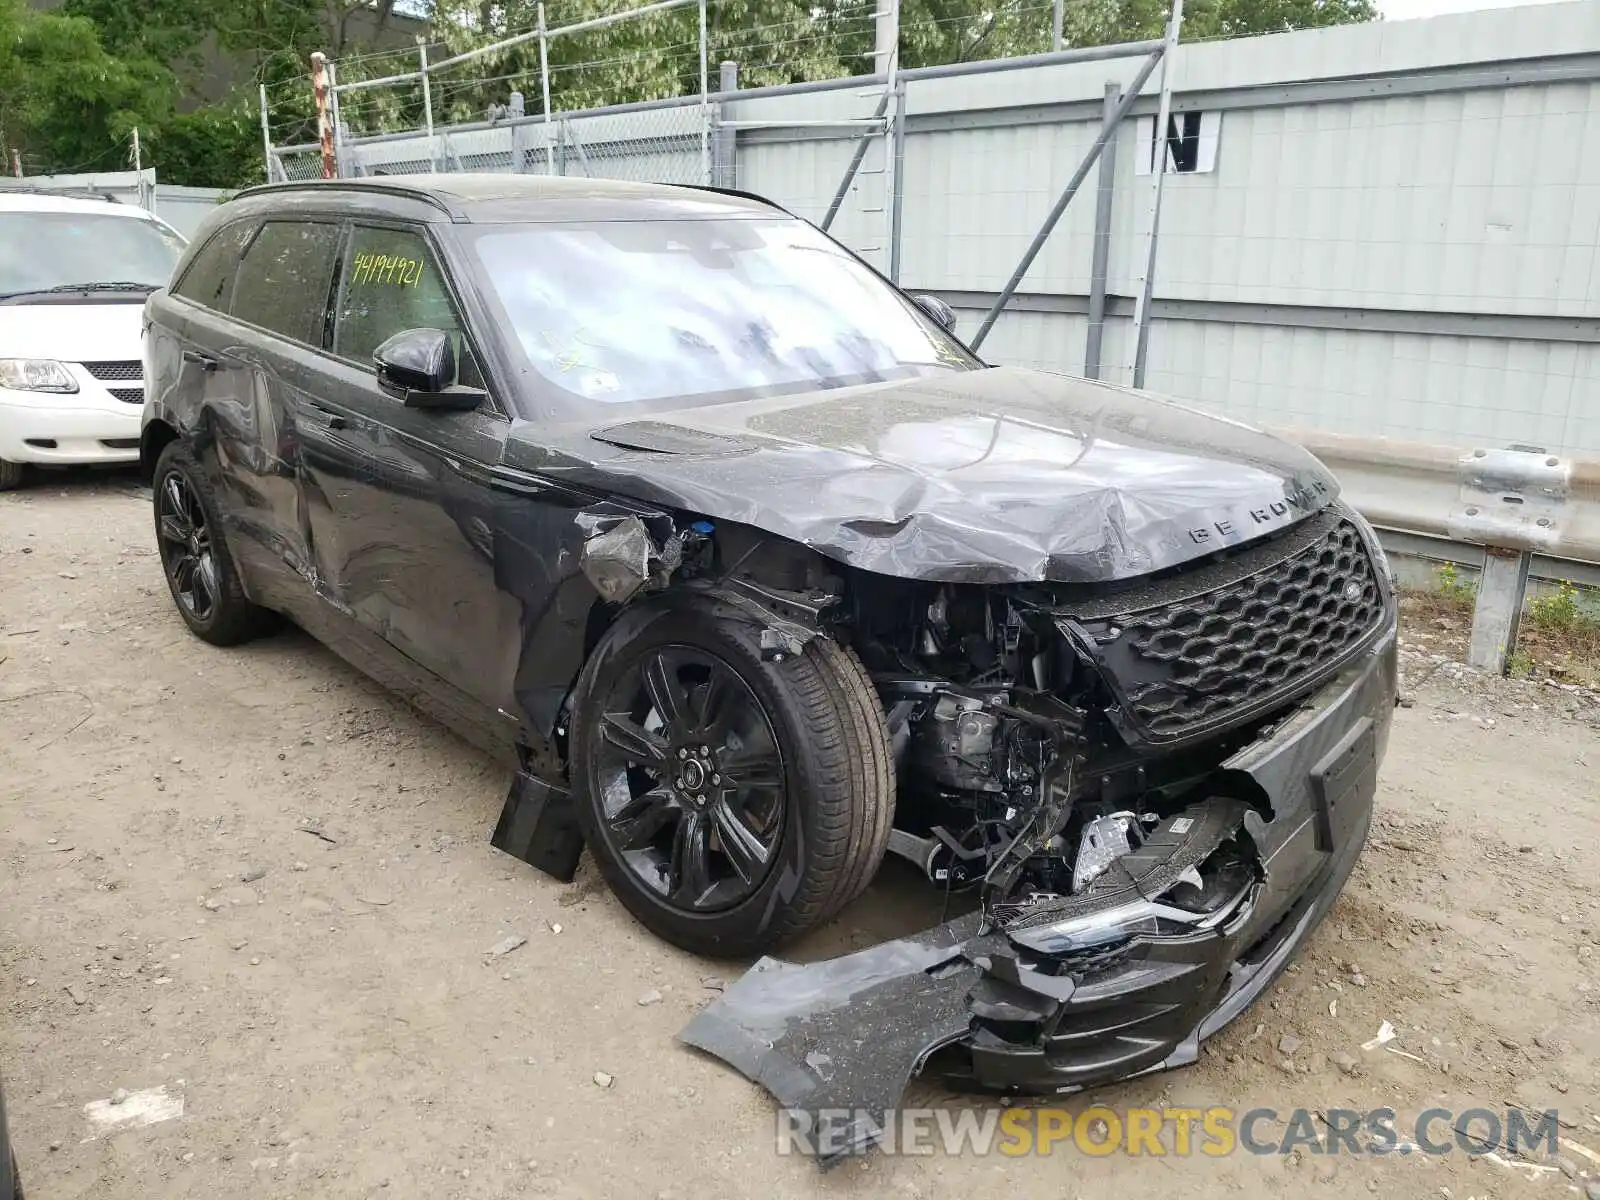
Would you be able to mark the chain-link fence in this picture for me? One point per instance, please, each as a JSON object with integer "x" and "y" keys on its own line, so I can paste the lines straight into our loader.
{"x": 650, "y": 145}
{"x": 622, "y": 96}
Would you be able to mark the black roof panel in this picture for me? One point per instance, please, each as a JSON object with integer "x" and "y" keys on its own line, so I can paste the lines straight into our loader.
{"x": 495, "y": 198}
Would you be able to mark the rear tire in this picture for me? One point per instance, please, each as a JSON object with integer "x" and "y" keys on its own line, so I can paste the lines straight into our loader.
{"x": 731, "y": 803}
{"x": 10, "y": 475}
{"x": 200, "y": 573}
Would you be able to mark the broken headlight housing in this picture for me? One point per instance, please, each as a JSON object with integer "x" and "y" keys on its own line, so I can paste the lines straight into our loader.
{"x": 36, "y": 375}
{"x": 1200, "y": 899}
{"x": 1089, "y": 931}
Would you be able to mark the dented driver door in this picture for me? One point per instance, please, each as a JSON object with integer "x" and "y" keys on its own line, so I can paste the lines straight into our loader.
{"x": 399, "y": 502}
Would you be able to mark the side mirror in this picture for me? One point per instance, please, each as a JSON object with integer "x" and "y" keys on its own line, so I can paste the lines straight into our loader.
{"x": 418, "y": 367}
{"x": 942, "y": 313}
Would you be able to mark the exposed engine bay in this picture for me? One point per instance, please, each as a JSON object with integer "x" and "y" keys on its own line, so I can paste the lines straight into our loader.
{"x": 1013, "y": 779}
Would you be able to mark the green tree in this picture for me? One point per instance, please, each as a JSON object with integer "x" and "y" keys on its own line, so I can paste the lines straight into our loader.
{"x": 65, "y": 103}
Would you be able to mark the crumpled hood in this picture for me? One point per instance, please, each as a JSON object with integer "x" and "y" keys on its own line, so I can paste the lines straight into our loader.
{"x": 993, "y": 476}
{"x": 100, "y": 332}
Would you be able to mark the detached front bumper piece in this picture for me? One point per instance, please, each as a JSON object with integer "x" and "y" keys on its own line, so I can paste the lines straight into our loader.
{"x": 1011, "y": 1004}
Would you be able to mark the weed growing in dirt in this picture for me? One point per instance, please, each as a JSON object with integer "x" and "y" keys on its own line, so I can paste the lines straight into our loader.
{"x": 1568, "y": 618}
{"x": 1556, "y": 611}
{"x": 1453, "y": 587}
{"x": 1559, "y": 637}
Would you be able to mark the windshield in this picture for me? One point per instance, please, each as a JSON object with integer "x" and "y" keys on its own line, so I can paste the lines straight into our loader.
{"x": 617, "y": 312}
{"x": 39, "y": 251}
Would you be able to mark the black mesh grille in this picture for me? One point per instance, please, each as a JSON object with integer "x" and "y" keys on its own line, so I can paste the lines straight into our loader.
{"x": 1189, "y": 665}
{"x": 115, "y": 370}
{"x": 128, "y": 395}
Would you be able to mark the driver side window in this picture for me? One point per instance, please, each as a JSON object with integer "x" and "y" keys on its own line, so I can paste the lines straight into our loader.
{"x": 392, "y": 283}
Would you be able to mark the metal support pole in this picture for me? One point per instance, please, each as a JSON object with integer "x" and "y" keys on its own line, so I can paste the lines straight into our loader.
{"x": 138, "y": 168}
{"x": 266, "y": 136}
{"x": 1158, "y": 169}
{"x": 544, "y": 87}
{"x": 1057, "y": 19}
{"x": 1501, "y": 588}
{"x": 320, "y": 73}
{"x": 577, "y": 146}
{"x": 705, "y": 109}
{"x": 725, "y": 146}
{"x": 518, "y": 132}
{"x": 1102, "y": 242}
{"x": 888, "y": 47}
{"x": 886, "y": 37}
{"x": 427, "y": 104}
{"x": 897, "y": 187}
{"x": 862, "y": 143}
{"x": 338, "y": 126}
{"x": 1078, "y": 176}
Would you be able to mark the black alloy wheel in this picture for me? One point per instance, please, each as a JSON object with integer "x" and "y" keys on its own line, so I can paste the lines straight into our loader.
{"x": 194, "y": 555}
{"x": 690, "y": 778}
{"x": 731, "y": 798}
{"x": 186, "y": 550}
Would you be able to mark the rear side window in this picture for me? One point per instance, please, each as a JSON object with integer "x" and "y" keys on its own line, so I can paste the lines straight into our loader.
{"x": 211, "y": 272}
{"x": 285, "y": 279}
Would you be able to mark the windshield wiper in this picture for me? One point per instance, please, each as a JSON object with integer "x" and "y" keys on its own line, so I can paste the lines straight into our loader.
{"x": 112, "y": 285}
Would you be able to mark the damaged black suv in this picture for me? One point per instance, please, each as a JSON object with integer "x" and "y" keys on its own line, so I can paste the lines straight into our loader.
{"x": 753, "y": 573}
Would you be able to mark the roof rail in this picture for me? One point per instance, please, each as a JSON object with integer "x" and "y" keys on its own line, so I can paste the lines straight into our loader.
{"x": 361, "y": 185}
{"x": 19, "y": 189}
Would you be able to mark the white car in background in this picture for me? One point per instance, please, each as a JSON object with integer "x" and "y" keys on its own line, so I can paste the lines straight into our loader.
{"x": 74, "y": 274}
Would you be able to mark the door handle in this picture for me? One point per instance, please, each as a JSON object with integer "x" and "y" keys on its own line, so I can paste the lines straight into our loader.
{"x": 326, "y": 417}
{"x": 204, "y": 361}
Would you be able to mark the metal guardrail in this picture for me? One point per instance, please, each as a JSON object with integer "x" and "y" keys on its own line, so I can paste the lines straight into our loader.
{"x": 1514, "y": 502}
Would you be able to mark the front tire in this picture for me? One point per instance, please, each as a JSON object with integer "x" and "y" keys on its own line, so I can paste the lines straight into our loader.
{"x": 730, "y": 802}
{"x": 10, "y": 475}
{"x": 200, "y": 573}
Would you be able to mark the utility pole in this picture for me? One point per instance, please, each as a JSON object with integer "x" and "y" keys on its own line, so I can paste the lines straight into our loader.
{"x": 319, "y": 90}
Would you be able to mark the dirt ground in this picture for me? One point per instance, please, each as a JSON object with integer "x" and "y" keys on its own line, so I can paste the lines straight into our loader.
{"x": 337, "y": 1028}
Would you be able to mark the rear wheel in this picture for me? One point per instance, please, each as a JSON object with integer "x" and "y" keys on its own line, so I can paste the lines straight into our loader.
{"x": 194, "y": 557}
{"x": 10, "y": 475}
{"x": 730, "y": 802}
